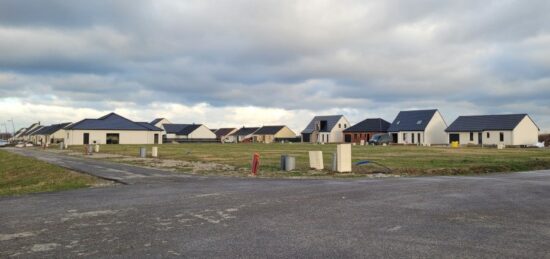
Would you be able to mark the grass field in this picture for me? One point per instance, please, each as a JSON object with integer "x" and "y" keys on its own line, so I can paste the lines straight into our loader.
{"x": 20, "y": 175}
{"x": 402, "y": 160}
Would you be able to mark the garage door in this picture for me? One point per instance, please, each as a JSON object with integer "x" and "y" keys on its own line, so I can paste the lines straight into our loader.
{"x": 454, "y": 137}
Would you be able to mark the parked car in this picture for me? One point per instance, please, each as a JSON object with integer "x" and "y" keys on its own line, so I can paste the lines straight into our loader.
{"x": 381, "y": 138}
{"x": 3, "y": 143}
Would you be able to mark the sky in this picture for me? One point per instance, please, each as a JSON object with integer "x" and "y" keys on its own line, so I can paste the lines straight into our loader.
{"x": 265, "y": 62}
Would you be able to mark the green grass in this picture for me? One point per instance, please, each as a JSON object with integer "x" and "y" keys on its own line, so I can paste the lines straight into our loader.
{"x": 404, "y": 160}
{"x": 21, "y": 175}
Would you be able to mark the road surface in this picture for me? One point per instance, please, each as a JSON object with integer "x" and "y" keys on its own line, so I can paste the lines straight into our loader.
{"x": 162, "y": 215}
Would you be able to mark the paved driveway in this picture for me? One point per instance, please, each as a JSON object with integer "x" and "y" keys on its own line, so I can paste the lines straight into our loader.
{"x": 498, "y": 215}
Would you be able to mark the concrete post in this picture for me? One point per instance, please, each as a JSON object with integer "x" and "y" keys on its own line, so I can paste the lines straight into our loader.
{"x": 96, "y": 148}
{"x": 154, "y": 152}
{"x": 343, "y": 158}
{"x": 316, "y": 160}
{"x": 142, "y": 152}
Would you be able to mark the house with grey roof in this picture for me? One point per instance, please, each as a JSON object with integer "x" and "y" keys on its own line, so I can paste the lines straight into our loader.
{"x": 173, "y": 132}
{"x": 244, "y": 134}
{"x": 50, "y": 134}
{"x": 365, "y": 129}
{"x": 505, "y": 129}
{"x": 223, "y": 133}
{"x": 182, "y": 132}
{"x": 111, "y": 129}
{"x": 270, "y": 134}
{"x": 24, "y": 134}
{"x": 325, "y": 129}
{"x": 419, "y": 127}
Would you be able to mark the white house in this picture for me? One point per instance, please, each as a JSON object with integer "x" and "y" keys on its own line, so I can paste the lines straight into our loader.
{"x": 111, "y": 129}
{"x": 50, "y": 134}
{"x": 326, "y": 129}
{"x": 179, "y": 132}
{"x": 506, "y": 129}
{"x": 243, "y": 134}
{"x": 420, "y": 127}
{"x": 176, "y": 132}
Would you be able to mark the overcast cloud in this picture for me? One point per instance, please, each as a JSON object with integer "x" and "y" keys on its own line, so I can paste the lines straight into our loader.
{"x": 234, "y": 63}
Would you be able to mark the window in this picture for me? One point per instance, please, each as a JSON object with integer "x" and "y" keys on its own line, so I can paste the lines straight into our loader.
{"x": 502, "y": 137}
{"x": 339, "y": 125}
{"x": 404, "y": 137}
{"x": 345, "y": 125}
{"x": 471, "y": 136}
{"x": 488, "y": 135}
{"x": 113, "y": 138}
{"x": 398, "y": 122}
{"x": 419, "y": 122}
{"x": 419, "y": 139}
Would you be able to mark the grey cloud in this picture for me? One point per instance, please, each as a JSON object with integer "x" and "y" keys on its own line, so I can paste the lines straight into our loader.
{"x": 285, "y": 54}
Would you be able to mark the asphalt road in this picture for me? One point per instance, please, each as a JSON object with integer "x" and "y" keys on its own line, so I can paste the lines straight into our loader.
{"x": 497, "y": 215}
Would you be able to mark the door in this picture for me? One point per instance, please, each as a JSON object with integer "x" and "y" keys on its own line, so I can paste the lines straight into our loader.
{"x": 480, "y": 138}
{"x": 412, "y": 138}
{"x": 348, "y": 138}
{"x": 454, "y": 137}
{"x": 394, "y": 137}
{"x": 156, "y": 138}
{"x": 86, "y": 138}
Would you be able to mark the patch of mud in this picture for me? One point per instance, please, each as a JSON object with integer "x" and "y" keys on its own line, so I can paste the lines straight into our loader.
{"x": 179, "y": 165}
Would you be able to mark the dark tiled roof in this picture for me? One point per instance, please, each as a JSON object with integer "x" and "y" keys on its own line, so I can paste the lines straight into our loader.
{"x": 30, "y": 129}
{"x": 370, "y": 125}
{"x": 412, "y": 120}
{"x": 48, "y": 130}
{"x": 155, "y": 121}
{"x": 21, "y": 130}
{"x": 269, "y": 130}
{"x": 174, "y": 128}
{"x": 180, "y": 129}
{"x": 111, "y": 121}
{"x": 189, "y": 129}
{"x": 485, "y": 122}
{"x": 149, "y": 126}
{"x": 223, "y": 132}
{"x": 332, "y": 120}
{"x": 244, "y": 131}
{"x": 33, "y": 131}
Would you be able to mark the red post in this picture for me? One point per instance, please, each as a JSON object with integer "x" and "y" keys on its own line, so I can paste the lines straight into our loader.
{"x": 255, "y": 164}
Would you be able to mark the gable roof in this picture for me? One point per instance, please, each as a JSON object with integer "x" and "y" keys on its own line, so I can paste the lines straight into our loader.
{"x": 33, "y": 131}
{"x": 370, "y": 125}
{"x": 155, "y": 121}
{"x": 223, "y": 132}
{"x": 331, "y": 120}
{"x": 416, "y": 120}
{"x": 30, "y": 129}
{"x": 269, "y": 130}
{"x": 49, "y": 130}
{"x": 245, "y": 131}
{"x": 486, "y": 122}
{"x": 20, "y": 131}
{"x": 180, "y": 129}
{"x": 111, "y": 121}
{"x": 189, "y": 129}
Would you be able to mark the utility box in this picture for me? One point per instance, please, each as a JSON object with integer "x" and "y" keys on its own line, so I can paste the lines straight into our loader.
{"x": 143, "y": 152}
{"x": 90, "y": 149}
{"x": 316, "y": 160}
{"x": 500, "y": 146}
{"x": 288, "y": 163}
{"x": 343, "y": 158}
{"x": 155, "y": 152}
{"x": 61, "y": 145}
{"x": 96, "y": 148}
{"x": 362, "y": 142}
{"x": 454, "y": 144}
